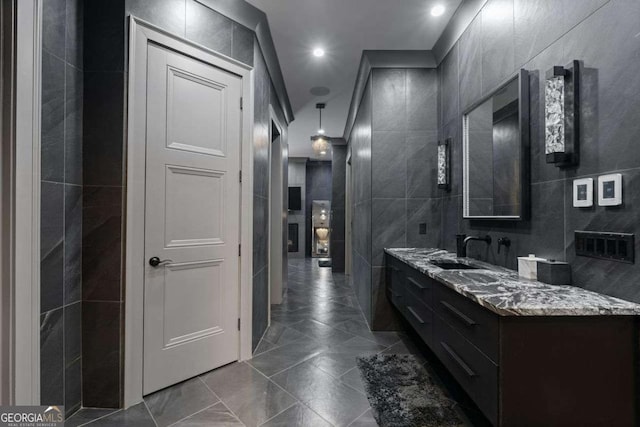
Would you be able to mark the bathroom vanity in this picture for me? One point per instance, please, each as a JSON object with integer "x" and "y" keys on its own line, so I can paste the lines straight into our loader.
{"x": 527, "y": 353}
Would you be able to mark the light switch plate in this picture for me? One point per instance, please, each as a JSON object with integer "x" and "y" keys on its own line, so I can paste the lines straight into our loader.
{"x": 610, "y": 189}
{"x": 583, "y": 193}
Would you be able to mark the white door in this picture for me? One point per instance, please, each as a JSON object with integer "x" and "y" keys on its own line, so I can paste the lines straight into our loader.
{"x": 192, "y": 225}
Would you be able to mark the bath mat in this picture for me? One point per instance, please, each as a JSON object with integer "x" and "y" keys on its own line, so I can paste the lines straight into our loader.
{"x": 324, "y": 263}
{"x": 402, "y": 393}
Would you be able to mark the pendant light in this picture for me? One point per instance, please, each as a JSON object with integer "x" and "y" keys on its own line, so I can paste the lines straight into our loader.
{"x": 319, "y": 142}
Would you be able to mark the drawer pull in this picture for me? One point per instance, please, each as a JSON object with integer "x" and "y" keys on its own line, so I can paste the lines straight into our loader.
{"x": 458, "y": 360}
{"x": 467, "y": 320}
{"x": 418, "y": 318}
{"x": 416, "y": 284}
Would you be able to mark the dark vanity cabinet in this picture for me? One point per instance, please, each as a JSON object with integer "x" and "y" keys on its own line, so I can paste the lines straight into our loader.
{"x": 524, "y": 370}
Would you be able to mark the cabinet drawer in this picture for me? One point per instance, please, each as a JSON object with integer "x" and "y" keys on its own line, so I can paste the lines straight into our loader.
{"x": 477, "y": 324}
{"x": 396, "y": 276}
{"x": 475, "y": 372}
{"x": 420, "y": 286}
{"x": 420, "y": 317}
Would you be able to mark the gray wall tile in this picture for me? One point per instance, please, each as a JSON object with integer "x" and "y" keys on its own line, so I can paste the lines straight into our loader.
{"x": 53, "y": 27}
{"x": 74, "y": 40}
{"x": 52, "y": 358}
{"x": 72, "y": 332}
{"x": 498, "y": 61}
{"x": 73, "y": 126}
{"x": 388, "y": 227}
{"x": 422, "y": 94}
{"x": 242, "y": 47}
{"x": 167, "y": 14}
{"x": 52, "y": 121}
{"x": 424, "y": 211}
{"x": 101, "y": 325}
{"x": 102, "y": 243}
{"x": 537, "y": 24}
{"x": 72, "y": 387}
{"x": 72, "y": 243}
{"x": 389, "y": 99}
{"x": 104, "y": 35}
{"x": 449, "y": 86}
{"x": 388, "y": 164}
{"x": 209, "y": 28}
{"x": 470, "y": 63}
{"x": 260, "y": 318}
{"x": 422, "y": 165}
{"x": 51, "y": 246}
{"x": 103, "y": 128}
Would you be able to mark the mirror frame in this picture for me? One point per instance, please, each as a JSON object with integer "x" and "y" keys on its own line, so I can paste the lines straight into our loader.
{"x": 524, "y": 121}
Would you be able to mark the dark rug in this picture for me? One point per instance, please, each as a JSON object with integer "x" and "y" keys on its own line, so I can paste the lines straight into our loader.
{"x": 402, "y": 393}
{"x": 324, "y": 263}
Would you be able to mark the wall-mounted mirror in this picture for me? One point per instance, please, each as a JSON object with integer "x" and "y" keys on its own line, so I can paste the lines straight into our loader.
{"x": 496, "y": 153}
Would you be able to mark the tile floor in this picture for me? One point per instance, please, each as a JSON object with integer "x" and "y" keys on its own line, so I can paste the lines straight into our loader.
{"x": 303, "y": 372}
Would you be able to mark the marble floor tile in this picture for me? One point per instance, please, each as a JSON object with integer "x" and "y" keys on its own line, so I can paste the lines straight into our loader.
{"x": 135, "y": 416}
{"x": 353, "y": 379}
{"x": 179, "y": 401}
{"x": 286, "y": 356}
{"x": 279, "y": 334}
{"x": 217, "y": 415}
{"x": 322, "y": 332}
{"x": 297, "y": 415}
{"x": 325, "y": 395}
{"x": 87, "y": 415}
{"x": 339, "y": 359}
{"x": 361, "y": 329}
{"x": 365, "y": 420}
{"x": 263, "y": 346}
{"x": 251, "y": 396}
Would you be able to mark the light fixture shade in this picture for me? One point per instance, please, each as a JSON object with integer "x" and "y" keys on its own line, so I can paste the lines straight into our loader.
{"x": 320, "y": 145}
{"x": 561, "y": 115}
{"x": 554, "y": 115}
{"x": 444, "y": 164}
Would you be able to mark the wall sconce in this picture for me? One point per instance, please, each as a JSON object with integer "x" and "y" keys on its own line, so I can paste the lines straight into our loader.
{"x": 561, "y": 114}
{"x": 444, "y": 164}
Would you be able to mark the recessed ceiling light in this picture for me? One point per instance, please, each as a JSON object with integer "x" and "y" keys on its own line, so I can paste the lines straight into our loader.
{"x": 321, "y": 131}
{"x": 322, "y": 153}
{"x": 318, "y": 52}
{"x": 437, "y": 10}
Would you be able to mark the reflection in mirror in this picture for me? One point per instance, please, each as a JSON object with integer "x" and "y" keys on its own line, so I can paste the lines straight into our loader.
{"x": 321, "y": 226}
{"x": 493, "y": 152}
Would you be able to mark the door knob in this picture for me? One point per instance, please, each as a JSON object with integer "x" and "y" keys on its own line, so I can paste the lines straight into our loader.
{"x": 155, "y": 261}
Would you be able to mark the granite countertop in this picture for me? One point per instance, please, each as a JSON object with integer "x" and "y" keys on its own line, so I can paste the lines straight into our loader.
{"x": 503, "y": 292}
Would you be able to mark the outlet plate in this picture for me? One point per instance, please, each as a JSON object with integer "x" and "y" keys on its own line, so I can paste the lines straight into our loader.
{"x": 611, "y": 246}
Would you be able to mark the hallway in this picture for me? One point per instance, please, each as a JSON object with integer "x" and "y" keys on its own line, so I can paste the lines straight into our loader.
{"x": 303, "y": 372}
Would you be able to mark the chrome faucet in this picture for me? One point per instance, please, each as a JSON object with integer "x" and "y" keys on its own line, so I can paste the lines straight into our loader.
{"x": 462, "y": 240}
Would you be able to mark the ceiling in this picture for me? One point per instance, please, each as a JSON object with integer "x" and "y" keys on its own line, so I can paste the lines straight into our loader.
{"x": 343, "y": 28}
